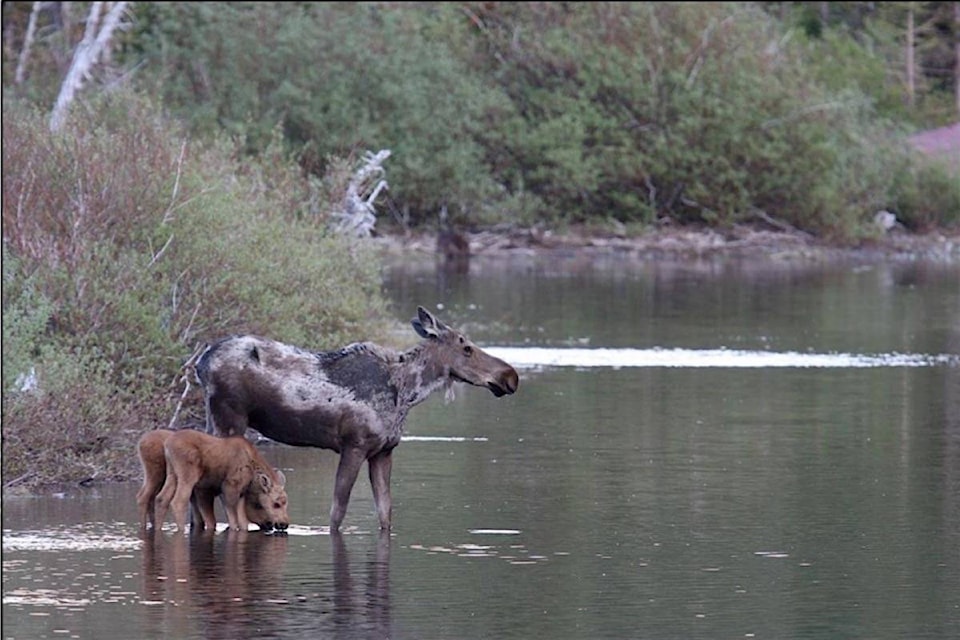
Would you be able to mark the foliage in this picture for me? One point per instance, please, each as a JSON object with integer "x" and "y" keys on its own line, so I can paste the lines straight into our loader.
{"x": 702, "y": 113}
{"x": 339, "y": 79}
{"x": 547, "y": 113}
{"x": 125, "y": 248}
{"x": 145, "y": 229}
{"x": 926, "y": 195}
{"x": 865, "y": 43}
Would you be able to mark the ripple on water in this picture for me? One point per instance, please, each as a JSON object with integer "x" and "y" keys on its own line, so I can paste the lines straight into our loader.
{"x": 534, "y": 357}
{"x": 87, "y": 537}
{"x": 513, "y": 553}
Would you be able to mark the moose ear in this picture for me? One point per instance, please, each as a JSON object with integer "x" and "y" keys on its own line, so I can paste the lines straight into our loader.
{"x": 281, "y": 479}
{"x": 425, "y": 324}
{"x": 265, "y": 482}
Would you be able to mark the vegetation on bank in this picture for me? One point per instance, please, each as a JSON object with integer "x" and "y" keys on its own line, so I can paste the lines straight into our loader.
{"x": 149, "y": 225}
{"x": 126, "y": 248}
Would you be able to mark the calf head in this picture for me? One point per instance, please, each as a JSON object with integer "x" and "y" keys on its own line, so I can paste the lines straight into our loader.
{"x": 460, "y": 359}
{"x": 266, "y": 501}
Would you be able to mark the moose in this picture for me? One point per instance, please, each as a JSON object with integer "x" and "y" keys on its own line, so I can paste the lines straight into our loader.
{"x": 352, "y": 400}
{"x": 154, "y": 465}
{"x": 197, "y": 467}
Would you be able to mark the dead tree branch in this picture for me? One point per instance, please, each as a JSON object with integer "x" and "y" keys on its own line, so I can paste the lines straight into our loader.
{"x": 356, "y": 216}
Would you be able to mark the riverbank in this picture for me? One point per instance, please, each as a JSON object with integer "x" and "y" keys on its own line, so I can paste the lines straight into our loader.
{"x": 686, "y": 243}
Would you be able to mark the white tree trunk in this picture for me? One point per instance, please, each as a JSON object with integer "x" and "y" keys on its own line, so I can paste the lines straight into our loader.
{"x": 21, "y": 72}
{"x": 911, "y": 77}
{"x": 956, "y": 60}
{"x": 96, "y": 39}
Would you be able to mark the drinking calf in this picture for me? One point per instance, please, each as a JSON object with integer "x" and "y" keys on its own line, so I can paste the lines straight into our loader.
{"x": 202, "y": 466}
{"x": 154, "y": 464}
{"x": 352, "y": 400}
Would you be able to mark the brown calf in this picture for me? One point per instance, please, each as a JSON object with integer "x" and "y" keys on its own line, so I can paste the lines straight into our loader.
{"x": 202, "y": 465}
{"x": 154, "y": 463}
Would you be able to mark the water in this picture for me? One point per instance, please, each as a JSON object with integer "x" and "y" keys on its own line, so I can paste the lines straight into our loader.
{"x": 700, "y": 450}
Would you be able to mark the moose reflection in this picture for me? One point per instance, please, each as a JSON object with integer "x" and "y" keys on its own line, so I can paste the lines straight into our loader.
{"x": 352, "y": 400}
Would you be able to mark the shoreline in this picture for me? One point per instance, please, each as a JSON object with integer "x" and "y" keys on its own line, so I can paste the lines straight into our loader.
{"x": 682, "y": 243}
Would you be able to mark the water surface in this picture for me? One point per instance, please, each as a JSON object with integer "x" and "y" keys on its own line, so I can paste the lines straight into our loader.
{"x": 698, "y": 450}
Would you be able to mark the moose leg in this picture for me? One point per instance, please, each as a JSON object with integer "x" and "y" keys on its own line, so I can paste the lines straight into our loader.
{"x": 234, "y": 504}
{"x": 350, "y": 461}
{"x": 180, "y": 505}
{"x": 145, "y": 500}
{"x": 224, "y": 420}
{"x": 162, "y": 501}
{"x": 203, "y": 511}
{"x": 380, "y": 467}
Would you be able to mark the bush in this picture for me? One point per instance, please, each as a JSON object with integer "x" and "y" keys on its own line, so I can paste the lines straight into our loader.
{"x": 548, "y": 113}
{"x": 126, "y": 248}
{"x": 926, "y": 194}
{"x": 698, "y": 112}
{"x": 339, "y": 79}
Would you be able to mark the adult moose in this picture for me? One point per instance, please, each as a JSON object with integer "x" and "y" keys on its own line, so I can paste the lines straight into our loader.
{"x": 352, "y": 400}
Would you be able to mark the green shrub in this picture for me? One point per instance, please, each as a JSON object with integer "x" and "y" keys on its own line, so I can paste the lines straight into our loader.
{"x": 126, "y": 248}
{"x": 544, "y": 113}
{"x": 339, "y": 79}
{"x": 926, "y": 194}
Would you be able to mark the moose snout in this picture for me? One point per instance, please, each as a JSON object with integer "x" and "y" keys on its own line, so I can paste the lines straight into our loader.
{"x": 507, "y": 384}
{"x": 274, "y": 527}
{"x": 512, "y": 381}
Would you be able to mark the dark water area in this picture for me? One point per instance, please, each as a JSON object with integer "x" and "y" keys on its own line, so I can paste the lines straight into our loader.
{"x": 744, "y": 497}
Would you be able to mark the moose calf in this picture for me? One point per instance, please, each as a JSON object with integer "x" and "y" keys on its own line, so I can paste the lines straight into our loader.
{"x": 154, "y": 464}
{"x": 199, "y": 467}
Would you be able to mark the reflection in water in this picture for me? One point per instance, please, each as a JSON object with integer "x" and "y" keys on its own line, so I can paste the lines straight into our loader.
{"x": 233, "y": 582}
{"x": 361, "y": 611}
{"x": 232, "y": 585}
{"x": 601, "y": 502}
{"x": 692, "y": 358}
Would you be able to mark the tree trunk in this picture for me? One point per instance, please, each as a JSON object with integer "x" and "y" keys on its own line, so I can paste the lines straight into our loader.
{"x": 956, "y": 58}
{"x": 911, "y": 77}
{"x": 27, "y": 45}
{"x": 96, "y": 38}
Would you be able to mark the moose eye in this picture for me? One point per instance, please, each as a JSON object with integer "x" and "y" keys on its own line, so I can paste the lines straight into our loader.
{"x": 258, "y": 506}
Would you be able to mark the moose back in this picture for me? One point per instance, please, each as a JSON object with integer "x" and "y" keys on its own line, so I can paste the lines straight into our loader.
{"x": 352, "y": 400}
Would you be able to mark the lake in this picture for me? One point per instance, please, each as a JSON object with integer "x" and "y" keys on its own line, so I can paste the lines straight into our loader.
{"x": 721, "y": 448}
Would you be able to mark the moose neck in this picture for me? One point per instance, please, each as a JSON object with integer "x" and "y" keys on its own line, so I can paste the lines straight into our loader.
{"x": 419, "y": 374}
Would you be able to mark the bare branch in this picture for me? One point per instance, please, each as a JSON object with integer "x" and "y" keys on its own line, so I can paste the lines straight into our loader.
{"x": 187, "y": 374}
{"x": 168, "y": 214}
{"x": 356, "y": 216}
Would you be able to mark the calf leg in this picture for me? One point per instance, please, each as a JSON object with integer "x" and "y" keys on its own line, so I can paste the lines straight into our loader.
{"x": 150, "y": 450}
{"x": 187, "y": 479}
{"x": 380, "y": 466}
{"x": 203, "y": 510}
{"x": 235, "y": 504}
{"x": 145, "y": 499}
{"x": 350, "y": 461}
{"x": 162, "y": 501}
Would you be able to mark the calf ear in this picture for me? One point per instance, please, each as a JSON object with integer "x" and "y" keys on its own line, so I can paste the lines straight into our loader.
{"x": 265, "y": 482}
{"x": 426, "y": 324}
{"x": 281, "y": 479}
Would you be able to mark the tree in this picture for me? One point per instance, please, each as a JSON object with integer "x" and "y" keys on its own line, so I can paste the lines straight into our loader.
{"x": 96, "y": 42}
